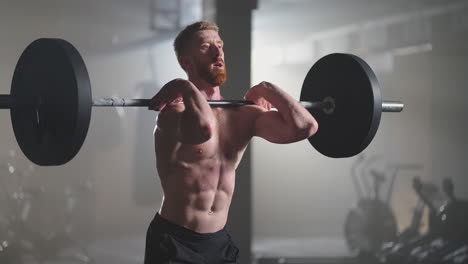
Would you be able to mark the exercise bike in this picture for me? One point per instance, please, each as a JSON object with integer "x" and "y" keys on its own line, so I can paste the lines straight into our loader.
{"x": 371, "y": 221}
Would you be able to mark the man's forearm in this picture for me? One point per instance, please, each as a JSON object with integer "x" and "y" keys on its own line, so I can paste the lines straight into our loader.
{"x": 289, "y": 108}
{"x": 197, "y": 119}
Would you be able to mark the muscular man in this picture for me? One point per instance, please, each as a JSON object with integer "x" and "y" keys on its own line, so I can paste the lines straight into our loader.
{"x": 198, "y": 149}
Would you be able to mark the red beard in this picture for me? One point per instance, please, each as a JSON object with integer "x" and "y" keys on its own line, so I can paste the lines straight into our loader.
{"x": 212, "y": 75}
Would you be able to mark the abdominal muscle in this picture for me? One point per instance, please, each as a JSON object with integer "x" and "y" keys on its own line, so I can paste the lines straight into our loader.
{"x": 197, "y": 196}
{"x": 198, "y": 180}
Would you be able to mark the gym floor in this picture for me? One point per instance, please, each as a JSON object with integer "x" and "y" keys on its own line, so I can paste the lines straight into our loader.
{"x": 311, "y": 250}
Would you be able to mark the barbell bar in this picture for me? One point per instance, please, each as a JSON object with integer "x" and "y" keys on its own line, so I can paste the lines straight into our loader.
{"x": 327, "y": 106}
{"x": 50, "y": 103}
{"x": 8, "y": 101}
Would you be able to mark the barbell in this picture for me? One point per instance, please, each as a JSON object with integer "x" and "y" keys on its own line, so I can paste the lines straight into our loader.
{"x": 50, "y": 103}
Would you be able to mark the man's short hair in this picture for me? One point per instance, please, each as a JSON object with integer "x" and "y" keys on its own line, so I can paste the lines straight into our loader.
{"x": 181, "y": 42}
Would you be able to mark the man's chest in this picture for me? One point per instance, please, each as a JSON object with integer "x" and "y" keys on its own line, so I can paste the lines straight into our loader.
{"x": 231, "y": 135}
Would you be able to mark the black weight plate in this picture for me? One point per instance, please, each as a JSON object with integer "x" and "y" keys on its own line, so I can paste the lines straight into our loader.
{"x": 53, "y": 133}
{"x": 354, "y": 122}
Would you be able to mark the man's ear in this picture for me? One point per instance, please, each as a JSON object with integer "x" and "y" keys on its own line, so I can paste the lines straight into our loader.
{"x": 184, "y": 62}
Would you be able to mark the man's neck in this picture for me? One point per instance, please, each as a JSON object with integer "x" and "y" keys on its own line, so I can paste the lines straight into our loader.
{"x": 209, "y": 91}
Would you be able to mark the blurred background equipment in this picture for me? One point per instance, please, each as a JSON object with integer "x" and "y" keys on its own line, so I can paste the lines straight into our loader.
{"x": 39, "y": 224}
{"x": 446, "y": 239}
{"x": 371, "y": 222}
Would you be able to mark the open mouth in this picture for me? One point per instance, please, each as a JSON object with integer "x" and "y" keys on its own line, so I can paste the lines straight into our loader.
{"x": 218, "y": 64}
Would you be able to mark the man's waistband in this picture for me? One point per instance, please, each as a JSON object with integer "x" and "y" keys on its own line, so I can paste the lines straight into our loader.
{"x": 185, "y": 233}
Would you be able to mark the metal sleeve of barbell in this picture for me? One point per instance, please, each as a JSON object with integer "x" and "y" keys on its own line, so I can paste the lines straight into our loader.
{"x": 392, "y": 106}
{"x": 387, "y": 106}
{"x": 315, "y": 105}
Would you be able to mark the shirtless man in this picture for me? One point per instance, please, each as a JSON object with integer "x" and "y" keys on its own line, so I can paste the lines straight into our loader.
{"x": 198, "y": 149}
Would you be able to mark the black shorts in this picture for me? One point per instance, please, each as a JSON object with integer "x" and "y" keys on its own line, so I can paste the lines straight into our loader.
{"x": 167, "y": 242}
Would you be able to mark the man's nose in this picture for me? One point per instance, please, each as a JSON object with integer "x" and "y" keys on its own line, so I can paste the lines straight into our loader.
{"x": 218, "y": 51}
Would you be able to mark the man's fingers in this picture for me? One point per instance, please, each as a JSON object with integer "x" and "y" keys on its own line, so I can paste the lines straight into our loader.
{"x": 159, "y": 104}
{"x": 160, "y": 107}
{"x": 247, "y": 95}
{"x": 251, "y": 92}
{"x": 156, "y": 103}
{"x": 169, "y": 94}
{"x": 265, "y": 104}
{"x": 157, "y": 107}
{"x": 260, "y": 101}
{"x": 176, "y": 101}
